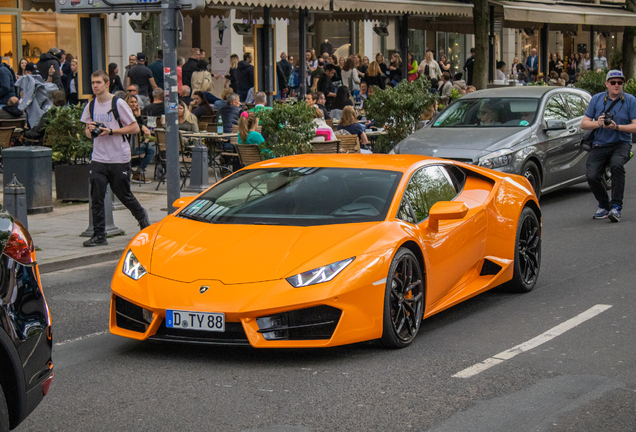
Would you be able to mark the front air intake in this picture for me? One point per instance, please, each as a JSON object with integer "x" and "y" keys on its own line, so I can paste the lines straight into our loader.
{"x": 130, "y": 316}
{"x": 312, "y": 323}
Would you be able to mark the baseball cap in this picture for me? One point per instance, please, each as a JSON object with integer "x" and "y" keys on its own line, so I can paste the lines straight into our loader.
{"x": 30, "y": 67}
{"x": 141, "y": 56}
{"x": 615, "y": 74}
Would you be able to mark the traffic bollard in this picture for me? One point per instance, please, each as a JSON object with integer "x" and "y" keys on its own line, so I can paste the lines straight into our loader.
{"x": 15, "y": 201}
{"x": 199, "y": 170}
{"x": 111, "y": 229}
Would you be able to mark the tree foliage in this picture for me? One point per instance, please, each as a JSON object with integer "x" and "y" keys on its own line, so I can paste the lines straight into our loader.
{"x": 288, "y": 128}
{"x": 64, "y": 132}
{"x": 398, "y": 110}
{"x": 592, "y": 81}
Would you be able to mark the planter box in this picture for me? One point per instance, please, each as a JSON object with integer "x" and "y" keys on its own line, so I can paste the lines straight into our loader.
{"x": 71, "y": 182}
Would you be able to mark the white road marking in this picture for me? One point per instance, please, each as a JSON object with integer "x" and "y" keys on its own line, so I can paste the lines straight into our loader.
{"x": 532, "y": 343}
{"x": 81, "y": 338}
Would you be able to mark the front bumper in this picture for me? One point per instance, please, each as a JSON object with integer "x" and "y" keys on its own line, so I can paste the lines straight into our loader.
{"x": 272, "y": 314}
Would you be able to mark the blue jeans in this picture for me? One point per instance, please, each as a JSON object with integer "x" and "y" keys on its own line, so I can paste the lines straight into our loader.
{"x": 148, "y": 151}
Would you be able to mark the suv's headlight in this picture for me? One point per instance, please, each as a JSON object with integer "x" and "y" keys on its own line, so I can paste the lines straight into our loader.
{"x": 132, "y": 267}
{"x": 497, "y": 159}
{"x": 319, "y": 275}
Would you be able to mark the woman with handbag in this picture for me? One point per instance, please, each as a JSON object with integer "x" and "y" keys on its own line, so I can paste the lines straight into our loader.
{"x": 201, "y": 78}
{"x": 429, "y": 67}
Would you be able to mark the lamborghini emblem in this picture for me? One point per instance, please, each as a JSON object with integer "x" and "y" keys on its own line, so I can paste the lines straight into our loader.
{"x": 203, "y": 288}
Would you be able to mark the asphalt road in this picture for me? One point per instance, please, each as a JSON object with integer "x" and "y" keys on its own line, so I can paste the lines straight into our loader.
{"x": 562, "y": 358}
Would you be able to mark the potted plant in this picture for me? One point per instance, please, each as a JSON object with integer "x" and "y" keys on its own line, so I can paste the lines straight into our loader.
{"x": 71, "y": 150}
{"x": 288, "y": 129}
{"x": 398, "y": 109}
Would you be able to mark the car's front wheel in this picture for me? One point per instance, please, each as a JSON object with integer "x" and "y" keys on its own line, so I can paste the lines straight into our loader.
{"x": 527, "y": 253}
{"x": 531, "y": 172}
{"x": 403, "y": 300}
{"x": 4, "y": 413}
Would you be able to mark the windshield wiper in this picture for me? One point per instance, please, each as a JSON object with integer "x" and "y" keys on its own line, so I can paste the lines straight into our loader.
{"x": 193, "y": 217}
{"x": 265, "y": 223}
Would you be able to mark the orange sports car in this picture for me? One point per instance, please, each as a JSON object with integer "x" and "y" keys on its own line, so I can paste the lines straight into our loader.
{"x": 325, "y": 250}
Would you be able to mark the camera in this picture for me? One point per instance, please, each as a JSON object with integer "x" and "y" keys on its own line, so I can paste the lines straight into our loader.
{"x": 97, "y": 131}
{"x": 608, "y": 119}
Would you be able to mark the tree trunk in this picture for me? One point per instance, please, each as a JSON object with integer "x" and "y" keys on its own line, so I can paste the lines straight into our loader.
{"x": 628, "y": 45}
{"x": 481, "y": 20}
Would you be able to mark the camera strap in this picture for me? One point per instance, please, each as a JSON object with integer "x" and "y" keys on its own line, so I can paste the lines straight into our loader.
{"x": 113, "y": 109}
{"x": 613, "y": 104}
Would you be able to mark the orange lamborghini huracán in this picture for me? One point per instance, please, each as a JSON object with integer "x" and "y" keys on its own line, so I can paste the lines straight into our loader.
{"x": 324, "y": 250}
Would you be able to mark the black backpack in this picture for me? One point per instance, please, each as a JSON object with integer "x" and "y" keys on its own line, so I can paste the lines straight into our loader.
{"x": 113, "y": 109}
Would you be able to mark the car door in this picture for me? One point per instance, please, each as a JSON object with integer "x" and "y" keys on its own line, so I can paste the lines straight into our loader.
{"x": 456, "y": 247}
{"x": 561, "y": 146}
{"x": 577, "y": 105}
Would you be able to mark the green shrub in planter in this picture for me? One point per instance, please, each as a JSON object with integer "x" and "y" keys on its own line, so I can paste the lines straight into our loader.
{"x": 630, "y": 87}
{"x": 398, "y": 110}
{"x": 592, "y": 81}
{"x": 288, "y": 128}
{"x": 65, "y": 134}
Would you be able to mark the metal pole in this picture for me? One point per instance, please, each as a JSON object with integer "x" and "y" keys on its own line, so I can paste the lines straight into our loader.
{"x": 302, "y": 47}
{"x": 404, "y": 45}
{"x": 544, "y": 60}
{"x": 491, "y": 46}
{"x": 267, "y": 43}
{"x": 591, "y": 51}
{"x": 169, "y": 22}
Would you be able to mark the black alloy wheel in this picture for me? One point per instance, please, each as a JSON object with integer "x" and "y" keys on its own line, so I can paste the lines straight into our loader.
{"x": 531, "y": 172}
{"x": 527, "y": 253}
{"x": 403, "y": 300}
{"x": 4, "y": 413}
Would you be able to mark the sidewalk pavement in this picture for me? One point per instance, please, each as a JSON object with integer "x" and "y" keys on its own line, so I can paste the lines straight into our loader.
{"x": 57, "y": 234}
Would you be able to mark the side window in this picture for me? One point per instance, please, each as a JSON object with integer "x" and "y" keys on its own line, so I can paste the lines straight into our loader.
{"x": 577, "y": 104}
{"x": 555, "y": 109}
{"x": 426, "y": 187}
{"x": 404, "y": 212}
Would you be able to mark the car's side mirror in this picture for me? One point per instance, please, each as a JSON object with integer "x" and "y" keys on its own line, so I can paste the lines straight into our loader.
{"x": 554, "y": 124}
{"x": 445, "y": 210}
{"x": 182, "y": 202}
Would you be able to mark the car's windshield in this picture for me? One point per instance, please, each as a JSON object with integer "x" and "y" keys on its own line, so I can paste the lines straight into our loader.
{"x": 489, "y": 112}
{"x": 297, "y": 196}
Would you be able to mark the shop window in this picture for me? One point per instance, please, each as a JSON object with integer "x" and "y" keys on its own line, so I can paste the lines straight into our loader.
{"x": 8, "y": 42}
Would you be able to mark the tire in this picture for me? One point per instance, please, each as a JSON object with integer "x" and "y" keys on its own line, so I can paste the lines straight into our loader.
{"x": 531, "y": 172}
{"x": 607, "y": 178}
{"x": 403, "y": 300}
{"x": 527, "y": 253}
{"x": 4, "y": 413}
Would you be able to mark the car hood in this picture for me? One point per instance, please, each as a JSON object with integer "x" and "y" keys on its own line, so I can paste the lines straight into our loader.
{"x": 187, "y": 250}
{"x": 462, "y": 143}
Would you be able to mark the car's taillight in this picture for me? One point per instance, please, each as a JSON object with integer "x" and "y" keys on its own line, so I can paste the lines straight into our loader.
{"x": 20, "y": 245}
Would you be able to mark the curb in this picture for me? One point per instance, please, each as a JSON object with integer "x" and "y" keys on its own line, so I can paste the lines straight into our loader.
{"x": 65, "y": 264}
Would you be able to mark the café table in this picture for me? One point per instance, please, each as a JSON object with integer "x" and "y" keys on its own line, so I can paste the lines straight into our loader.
{"x": 214, "y": 150}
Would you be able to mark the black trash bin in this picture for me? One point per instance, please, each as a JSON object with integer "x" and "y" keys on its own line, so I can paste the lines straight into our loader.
{"x": 32, "y": 167}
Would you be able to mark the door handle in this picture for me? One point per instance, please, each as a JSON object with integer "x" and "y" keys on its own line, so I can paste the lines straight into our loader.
{"x": 572, "y": 131}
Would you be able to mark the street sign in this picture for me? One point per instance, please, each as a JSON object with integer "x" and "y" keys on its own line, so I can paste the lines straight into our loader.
{"x": 119, "y": 6}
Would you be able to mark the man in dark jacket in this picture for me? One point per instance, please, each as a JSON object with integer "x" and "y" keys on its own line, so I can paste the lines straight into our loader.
{"x": 285, "y": 66}
{"x": 230, "y": 112}
{"x": 245, "y": 76}
{"x": 325, "y": 84}
{"x": 190, "y": 66}
{"x": 11, "y": 111}
{"x": 282, "y": 82}
{"x": 48, "y": 59}
{"x": 156, "y": 68}
{"x": 6, "y": 85}
{"x": 142, "y": 76}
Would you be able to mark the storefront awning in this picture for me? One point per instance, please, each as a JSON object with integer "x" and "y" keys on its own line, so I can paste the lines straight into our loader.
{"x": 286, "y": 4}
{"x": 413, "y": 7}
{"x": 563, "y": 13}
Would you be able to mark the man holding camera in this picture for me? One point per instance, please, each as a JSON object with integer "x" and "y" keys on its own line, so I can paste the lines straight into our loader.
{"x": 110, "y": 161}
{"x": 612, "y": 117}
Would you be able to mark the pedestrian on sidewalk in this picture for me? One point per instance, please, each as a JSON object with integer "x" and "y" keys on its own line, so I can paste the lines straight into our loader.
{"x": 110, "y": 161}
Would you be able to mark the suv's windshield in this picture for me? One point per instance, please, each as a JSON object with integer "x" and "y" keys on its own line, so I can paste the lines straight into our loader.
{"x": 489, "y": 112}
{"x": 297, "y": 196}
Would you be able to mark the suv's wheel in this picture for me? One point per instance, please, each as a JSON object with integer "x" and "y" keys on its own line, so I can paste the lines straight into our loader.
{"x": 403, "y": 300}
{"x": 4, "y": 413}
{"x": 531, "y": 172}
{"x": 527, "y": 253}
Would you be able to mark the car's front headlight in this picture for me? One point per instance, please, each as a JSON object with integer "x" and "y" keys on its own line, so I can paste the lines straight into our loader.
{"x": 497, "y": 159}
{"x": 319, "y": 275}
{"x": 132, "y": 267}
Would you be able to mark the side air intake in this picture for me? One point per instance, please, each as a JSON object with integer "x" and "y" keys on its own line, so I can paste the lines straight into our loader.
{"x": 489, "y": 268}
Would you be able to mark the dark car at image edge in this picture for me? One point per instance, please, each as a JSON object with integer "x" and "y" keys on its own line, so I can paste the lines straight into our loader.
{"x": 26, "y": 369}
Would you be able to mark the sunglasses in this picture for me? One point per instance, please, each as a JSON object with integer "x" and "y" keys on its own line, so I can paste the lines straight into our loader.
{"x": 618, "y": 83}
{"x": 131, "y": 90}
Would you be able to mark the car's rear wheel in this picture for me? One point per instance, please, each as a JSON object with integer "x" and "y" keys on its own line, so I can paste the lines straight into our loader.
{"x": 531, "y": 172}
{"x": 527, "y": 253}
{"x": 4, "y": 413}
{"x": 403, "y": 300}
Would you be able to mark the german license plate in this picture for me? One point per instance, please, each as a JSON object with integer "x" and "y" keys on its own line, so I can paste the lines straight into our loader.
{"x": 195, "y": 320}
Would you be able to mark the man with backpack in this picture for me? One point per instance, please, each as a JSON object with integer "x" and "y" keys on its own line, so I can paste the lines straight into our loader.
{"x": 110, "y": 161}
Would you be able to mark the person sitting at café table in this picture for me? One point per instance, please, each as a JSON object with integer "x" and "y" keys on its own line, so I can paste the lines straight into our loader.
{"x": 184, "y": 94}
{"x": 187, "y": 121}
{"x": 342, "y": 98}
{"x": 323, "y": 131}
{"x": 221, "y": 102}
{"x": 133, "y": 89}
{"x": 143, "y": 147}
{"x": 155, "y": 109}
{"x": 200, "y": 106}
{"x": 247, "y": 129}
{"x": 230, "y": 112}
{"x": 349, "y": 123}
{"x": 260, "y": 99}
{"x": 58, "y": 98}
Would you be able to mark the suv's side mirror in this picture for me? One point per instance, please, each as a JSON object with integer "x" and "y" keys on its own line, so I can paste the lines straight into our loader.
{"x": 445, "y": 210}
{"x": 554, "y": 124}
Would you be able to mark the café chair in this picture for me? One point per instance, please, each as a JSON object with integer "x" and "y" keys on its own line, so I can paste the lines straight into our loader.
{"x": 349, "y": 144}
{"x": 5, "y": 139}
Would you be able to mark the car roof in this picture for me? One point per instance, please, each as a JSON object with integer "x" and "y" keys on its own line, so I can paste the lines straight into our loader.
{"x": 518, "y": 91}
{"x": 385, "y": 162}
